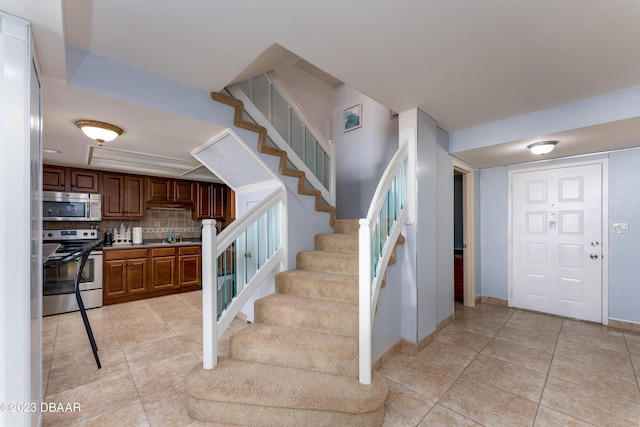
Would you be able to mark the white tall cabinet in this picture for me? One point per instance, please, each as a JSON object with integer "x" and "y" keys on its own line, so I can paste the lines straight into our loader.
{"x": 20, "y": 227}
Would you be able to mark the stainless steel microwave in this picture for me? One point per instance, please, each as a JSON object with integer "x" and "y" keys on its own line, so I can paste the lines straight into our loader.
{"x": 58, "y": 206}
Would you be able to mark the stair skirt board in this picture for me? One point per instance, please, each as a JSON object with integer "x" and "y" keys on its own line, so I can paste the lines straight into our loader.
{"x": 298, "y": 363}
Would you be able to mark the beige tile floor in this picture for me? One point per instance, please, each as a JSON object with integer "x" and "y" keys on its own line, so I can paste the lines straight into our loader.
{"x": 493, "y": 366}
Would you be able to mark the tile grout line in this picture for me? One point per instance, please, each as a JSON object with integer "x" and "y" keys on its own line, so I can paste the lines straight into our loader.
{"x": 464, "y": 370}
{"x": 129, "y": 369}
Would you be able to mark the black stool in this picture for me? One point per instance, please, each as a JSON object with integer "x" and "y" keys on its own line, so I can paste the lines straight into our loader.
{"x": 81, "y": 256}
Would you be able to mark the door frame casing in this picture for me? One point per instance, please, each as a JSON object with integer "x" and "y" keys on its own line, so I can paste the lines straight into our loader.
{"x": 468, "y": 227}
{"x": 604, "y": 163}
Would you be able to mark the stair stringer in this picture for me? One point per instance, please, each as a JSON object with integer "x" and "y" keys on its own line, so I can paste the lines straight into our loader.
{"x": 239, "y": 121}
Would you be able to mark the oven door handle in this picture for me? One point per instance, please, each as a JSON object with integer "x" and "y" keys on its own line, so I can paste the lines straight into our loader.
{"x": 55, "y": 263}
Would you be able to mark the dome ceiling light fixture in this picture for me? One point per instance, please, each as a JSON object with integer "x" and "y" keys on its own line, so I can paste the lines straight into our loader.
{"x": 542, "y": 147}
{"x": 99, "y": 131}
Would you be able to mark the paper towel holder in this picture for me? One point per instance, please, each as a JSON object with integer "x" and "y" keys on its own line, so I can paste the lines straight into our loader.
{"x": 136, "y": 236}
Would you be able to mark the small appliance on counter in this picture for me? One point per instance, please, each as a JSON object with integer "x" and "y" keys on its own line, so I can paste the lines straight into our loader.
{"x": 108, "y": 238}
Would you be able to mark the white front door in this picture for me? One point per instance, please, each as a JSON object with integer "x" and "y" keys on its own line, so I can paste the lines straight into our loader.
{"x": 556, "y": 249}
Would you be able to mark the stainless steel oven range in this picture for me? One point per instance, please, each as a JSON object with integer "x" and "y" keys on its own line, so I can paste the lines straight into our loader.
{"x": 58, "y": 284}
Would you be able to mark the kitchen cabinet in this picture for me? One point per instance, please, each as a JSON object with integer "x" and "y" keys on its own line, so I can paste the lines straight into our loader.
{"x": 213, "y": 202}
{"x": 189, "y": 261}
{"x": 122, "y": 196}
{"x": 170, "y": 193}
{"x": 133, "y": 274}
{"x": 66, "y": 179}
{"x": 125, "y": 273}
{"x": 163, "y": 268}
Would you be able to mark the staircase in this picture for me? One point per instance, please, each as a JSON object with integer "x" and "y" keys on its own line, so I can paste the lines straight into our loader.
{"x": 298, "y": 363}
{"x": 263, "y": 147}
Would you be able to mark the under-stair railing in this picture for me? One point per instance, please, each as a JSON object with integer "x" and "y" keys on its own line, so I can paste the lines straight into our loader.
{"x": 270, "y": 104}
{"x": 392, "y": 207}
{"x": 235, "y": 263}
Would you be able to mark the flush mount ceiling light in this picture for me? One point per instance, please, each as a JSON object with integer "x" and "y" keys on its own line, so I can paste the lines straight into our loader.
{"x": 99, "y": 131}
{"x": 542, "y": 147}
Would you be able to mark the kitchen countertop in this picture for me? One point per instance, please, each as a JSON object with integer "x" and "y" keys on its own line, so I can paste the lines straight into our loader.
{"x": 151, "y": 243}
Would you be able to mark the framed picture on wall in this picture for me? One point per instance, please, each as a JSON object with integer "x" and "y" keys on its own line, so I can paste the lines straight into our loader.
{"x": 352, "y": 118}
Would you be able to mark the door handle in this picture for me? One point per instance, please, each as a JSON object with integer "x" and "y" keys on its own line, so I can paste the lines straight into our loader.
{"x": 593, "y": 256}
{"x": 248, "y": 255}
{"x": 594, "y": 243}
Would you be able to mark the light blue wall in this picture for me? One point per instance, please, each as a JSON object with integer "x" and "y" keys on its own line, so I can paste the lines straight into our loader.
{"x": 624, "y": 249}
{"x": 494, "y": 204}
{"x": 315, "y": 96}
{"x": 361, "y": 154}
{"x": 427, "y": 226}
{"x": 444, "y": 229}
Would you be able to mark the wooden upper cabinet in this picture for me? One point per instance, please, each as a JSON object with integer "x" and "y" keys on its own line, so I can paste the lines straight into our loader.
{"x": 60, "y": 178}
{"x": 166, "y": 192}
{"x": 122, "y": 196}
{"x": 159, "y": 190}
{"x": 204, "y": 201}
{"x": 85, "y": 181}
{"x": 134, "y": 196}
{"x": 54, "y": 178}
{"x": 184, "y": 192}
{"x": 213, "y": 201}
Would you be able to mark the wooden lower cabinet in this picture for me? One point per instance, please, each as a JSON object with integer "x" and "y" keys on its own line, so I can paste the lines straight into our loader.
{"x": 163, "y": 268}
{"x": 132, "y": 274}
{"x": 125, "y": 273}
{"x": 189, "y": 261}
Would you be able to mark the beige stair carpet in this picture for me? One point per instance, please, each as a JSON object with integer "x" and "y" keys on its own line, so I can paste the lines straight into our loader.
{"x": 298, "y": 363}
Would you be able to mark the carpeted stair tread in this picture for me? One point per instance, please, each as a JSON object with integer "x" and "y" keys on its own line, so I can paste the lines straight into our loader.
{"x": 318, "y": 284}
{"x": 296, "y": 348}
{"x": 337, "y": 242}
{"x": 346, "y": 226}
{"x": 308, "y": 313}
{"x": 251, "y": 383}
{"x": 328, "y": 261}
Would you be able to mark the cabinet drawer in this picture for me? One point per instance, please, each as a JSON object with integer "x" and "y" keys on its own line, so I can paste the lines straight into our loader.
{"x": 125, "y": 254}
{"x": 189, "y": 250}
{"x": 163, "y": 252}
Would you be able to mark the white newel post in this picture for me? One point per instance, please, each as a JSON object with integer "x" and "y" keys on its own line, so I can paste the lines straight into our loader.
{"x": 209, "y": 295}
{"x": 365, "y": 266}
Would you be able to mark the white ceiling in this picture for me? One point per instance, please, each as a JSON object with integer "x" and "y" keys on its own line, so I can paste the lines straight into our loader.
{"x": 463, "y": 62}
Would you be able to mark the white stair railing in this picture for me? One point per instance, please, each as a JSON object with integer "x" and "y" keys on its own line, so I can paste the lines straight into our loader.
{"x": 236, "y": 262}
{"x": 270, "y": 104}
{"x": 392, "y": 207}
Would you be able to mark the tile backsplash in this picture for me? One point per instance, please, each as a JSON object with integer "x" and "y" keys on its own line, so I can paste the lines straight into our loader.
{"x": 155, "y": 225}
